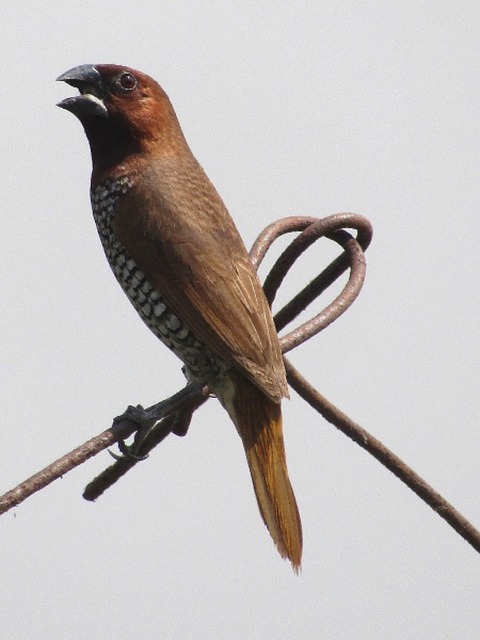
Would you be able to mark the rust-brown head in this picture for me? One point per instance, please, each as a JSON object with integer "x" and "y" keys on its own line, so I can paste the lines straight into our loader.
{"x": 124, "y": 113}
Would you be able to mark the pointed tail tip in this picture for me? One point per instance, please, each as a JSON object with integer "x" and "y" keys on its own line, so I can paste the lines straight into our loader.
{"x": 296, "y": 564}
{"x": 291, "y": 550}
{"x": 297, "y": 569}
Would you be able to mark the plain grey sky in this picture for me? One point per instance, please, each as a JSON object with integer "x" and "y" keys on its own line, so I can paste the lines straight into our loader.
{"x": 292, "y": 108}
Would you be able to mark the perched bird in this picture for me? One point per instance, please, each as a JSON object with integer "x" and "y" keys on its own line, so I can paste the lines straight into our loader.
{"x": 178, "y": 256}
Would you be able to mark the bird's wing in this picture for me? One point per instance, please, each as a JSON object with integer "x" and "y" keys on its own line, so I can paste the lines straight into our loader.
{"x": 179, "y": 233}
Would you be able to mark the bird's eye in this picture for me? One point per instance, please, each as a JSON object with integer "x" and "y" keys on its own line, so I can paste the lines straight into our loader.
{"x": 127, "y": 81}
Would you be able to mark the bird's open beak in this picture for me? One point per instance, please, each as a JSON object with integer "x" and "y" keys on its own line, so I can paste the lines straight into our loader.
{"x": 87, "y": 79}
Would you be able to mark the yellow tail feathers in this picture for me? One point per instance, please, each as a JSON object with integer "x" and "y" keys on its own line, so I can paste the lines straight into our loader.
{"x": 259, "y": 423}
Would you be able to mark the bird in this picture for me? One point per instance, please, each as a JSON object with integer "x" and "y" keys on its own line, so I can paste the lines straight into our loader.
{"x": 177, "y": 254}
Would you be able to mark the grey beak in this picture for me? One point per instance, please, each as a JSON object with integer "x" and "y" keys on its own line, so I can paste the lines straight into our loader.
{"x": 90, "y": 103}
{"x": 81, "y": 75}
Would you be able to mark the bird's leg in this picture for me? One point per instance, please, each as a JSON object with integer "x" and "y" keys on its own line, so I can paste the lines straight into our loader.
{"x": 151, "y": 415}
{"x": 146, "y": 419}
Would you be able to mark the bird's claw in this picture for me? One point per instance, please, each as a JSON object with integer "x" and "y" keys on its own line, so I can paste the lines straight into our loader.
{"x": 127, "y": 451}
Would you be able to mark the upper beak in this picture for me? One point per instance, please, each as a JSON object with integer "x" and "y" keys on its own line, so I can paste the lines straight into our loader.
{"x": 87, "y": 79}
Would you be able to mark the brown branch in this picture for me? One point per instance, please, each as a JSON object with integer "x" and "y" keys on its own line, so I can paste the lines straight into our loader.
{"x": 180, "y": 407}
{"x": 65, "y": 464}
{"x": 379, "y": 451}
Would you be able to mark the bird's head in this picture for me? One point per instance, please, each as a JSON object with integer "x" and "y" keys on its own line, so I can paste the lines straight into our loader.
{"x": 124, "y": 113}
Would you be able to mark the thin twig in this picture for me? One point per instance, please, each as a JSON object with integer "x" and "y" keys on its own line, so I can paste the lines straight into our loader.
{"x": 66, "y": 463}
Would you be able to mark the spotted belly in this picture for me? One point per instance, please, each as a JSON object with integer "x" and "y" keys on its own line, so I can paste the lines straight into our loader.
{"x": 202, "y": 365}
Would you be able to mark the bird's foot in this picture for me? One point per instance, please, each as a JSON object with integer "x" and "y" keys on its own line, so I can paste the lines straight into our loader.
{"x": 145, "y": 420}
{"x": 138, "y": 415}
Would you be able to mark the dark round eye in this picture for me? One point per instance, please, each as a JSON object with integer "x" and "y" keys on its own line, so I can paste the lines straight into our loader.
{"x": 127, "y": 81}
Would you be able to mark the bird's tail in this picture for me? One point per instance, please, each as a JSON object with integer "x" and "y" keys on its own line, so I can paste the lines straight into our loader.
{"x": 259, "y": 422}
